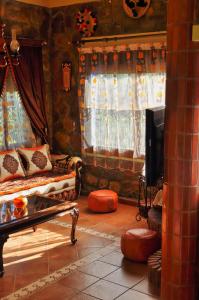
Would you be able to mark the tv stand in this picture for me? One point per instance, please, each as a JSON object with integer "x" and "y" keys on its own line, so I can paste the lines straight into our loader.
{"x": 146, "y": 197}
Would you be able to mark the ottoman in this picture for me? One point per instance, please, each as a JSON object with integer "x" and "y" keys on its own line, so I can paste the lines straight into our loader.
{"x": 102, "y": 201}
{"x": 139, "y": 243}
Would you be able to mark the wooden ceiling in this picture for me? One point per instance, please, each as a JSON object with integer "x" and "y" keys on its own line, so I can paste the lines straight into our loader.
{"x": 56, "y": 3}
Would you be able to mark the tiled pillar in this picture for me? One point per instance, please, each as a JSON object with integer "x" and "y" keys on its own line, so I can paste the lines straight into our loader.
{"x": 180, "y": 230}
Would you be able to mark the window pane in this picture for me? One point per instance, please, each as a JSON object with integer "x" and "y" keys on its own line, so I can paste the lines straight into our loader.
{"x": 16, "y": 126}
{"x": 115, "y": 109}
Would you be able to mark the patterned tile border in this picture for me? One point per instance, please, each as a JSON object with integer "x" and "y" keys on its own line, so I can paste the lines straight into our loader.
{"x": 87, "y": 230}
{"x": 65, "y": 271}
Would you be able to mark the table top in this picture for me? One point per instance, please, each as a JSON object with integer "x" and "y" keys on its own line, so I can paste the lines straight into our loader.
{"x": 37, "y": 207}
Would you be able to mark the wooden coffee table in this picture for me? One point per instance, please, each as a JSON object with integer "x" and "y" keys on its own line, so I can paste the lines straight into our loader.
{"x": 38, "y": 210}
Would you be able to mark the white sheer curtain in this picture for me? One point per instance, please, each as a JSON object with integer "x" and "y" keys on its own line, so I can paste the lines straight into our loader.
{"x": 114, "y": 110}
{"x": 116, "y": 85}
{"x": 15, "y": 128}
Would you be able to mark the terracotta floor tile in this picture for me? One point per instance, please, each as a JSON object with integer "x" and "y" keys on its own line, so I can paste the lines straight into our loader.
{"x": 105, "y": 290}
{"x": 115, "y": 258}
{"x": 125, "y": 278}
{"x": 98, "y": 269}
{"x": 94, "y": 241}
{"x": 6, "y": 284}
{"x": 133, "y": 295}
{"x": 84, "y": 251}
{"x": 136, "y": 268}
{"x": 32, "y": 266}
{"x": 145, "y": 287}
{"x": 54, "y": 292}
{"x": 82, "y": 296}
{"x": 78, "y": 280}
{"x": 106, "y": 228}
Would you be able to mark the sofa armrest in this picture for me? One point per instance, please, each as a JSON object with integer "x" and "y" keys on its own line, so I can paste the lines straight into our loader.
{"x": 67, "y": 164}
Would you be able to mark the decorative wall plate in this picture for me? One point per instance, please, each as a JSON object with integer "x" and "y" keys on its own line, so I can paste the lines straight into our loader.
{"x": 136, "y": 8}
{"x": 86, "y": 22}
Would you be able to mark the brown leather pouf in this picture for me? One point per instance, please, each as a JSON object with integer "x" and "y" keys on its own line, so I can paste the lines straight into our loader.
{"x": 138, "y": 244}
{"x": 102, "y": 201}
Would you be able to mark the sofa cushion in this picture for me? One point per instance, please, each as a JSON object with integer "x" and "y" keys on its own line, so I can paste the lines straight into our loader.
{"x": 10, "y": 165}
{"x": 37, "y": 159}
{"x": 36, "y": 184}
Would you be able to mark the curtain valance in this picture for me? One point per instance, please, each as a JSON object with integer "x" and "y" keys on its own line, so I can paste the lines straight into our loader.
{"x": 122, "y": 59}
{"x": 123, "y": 47}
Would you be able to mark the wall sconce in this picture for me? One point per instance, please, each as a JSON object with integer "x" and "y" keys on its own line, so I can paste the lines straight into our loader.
{"x": 14, "y": 44}
{"x": 5, "y": 54}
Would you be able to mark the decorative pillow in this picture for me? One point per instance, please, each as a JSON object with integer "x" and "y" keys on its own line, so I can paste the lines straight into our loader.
{"x": 10, "y": 165}
{"x": 37, "y": 159}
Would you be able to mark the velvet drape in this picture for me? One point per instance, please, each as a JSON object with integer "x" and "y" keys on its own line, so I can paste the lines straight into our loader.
{"x": 30, "y": 81}
{"x": 2, "y": 78}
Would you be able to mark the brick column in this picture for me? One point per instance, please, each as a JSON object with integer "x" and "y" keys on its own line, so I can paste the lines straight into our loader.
{"x": 180, "y": 228}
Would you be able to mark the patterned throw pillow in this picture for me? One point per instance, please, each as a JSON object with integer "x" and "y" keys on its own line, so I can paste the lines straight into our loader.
{"x": 10, "y": 165}
{"x": 37, "y": 159}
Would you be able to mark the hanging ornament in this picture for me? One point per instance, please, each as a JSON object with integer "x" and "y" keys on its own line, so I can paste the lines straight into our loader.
{"x": 86, "y": 22}
{"x": 136, "y": 8}
{"x": 66, "y": 72}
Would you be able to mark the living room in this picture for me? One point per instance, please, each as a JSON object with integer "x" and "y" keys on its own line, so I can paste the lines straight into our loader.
{"x": 82, "y": 59}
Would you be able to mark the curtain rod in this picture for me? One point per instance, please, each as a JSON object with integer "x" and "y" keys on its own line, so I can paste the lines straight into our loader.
{"x": 121, "y": 36}
{"x": 27, "y": 41}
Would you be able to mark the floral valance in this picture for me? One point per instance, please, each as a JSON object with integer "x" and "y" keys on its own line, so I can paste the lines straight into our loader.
{"x": 146, "y": 58}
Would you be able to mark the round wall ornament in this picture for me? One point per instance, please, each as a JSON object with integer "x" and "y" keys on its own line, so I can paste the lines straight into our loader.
{"x": 86, "y": 22}
{"x": 136, "y": 8}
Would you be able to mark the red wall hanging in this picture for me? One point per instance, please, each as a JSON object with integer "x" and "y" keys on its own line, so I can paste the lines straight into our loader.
{"x": 66, "y": 71}
{"x": 86, "y": 22}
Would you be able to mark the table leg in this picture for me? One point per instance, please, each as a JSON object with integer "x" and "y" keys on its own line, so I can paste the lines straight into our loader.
{"x": 3, "y": 239}
{"x": 75, "y": 215}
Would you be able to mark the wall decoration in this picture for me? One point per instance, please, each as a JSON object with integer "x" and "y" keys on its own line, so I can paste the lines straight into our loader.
{"x": 86, "y": 22}
{"x": 136, "y": 8}
{"x": 66, "y": 71}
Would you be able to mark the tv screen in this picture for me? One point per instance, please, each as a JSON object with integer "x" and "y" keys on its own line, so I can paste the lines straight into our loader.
{"x": 154, "y": 155}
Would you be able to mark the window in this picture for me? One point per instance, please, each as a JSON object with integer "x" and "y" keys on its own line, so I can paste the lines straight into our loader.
{"x": 15, "y": 128}
{"x": 114, "y": 112}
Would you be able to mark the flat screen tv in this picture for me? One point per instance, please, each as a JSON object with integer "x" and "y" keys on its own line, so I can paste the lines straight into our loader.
{"x": 154, "y": 164}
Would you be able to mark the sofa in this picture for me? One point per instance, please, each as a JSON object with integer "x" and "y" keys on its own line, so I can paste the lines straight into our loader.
{"x": 62, "y": 180}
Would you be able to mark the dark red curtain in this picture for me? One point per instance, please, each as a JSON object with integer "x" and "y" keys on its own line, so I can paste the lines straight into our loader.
{"x": 2, "y": 78}
{"x": 30, "y": 81}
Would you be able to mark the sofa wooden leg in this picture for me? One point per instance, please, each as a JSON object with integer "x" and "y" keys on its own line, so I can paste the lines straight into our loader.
{"x": 75, "y": 215}
{"x": 34, "y": 228}
{"x": 3, "y": 239}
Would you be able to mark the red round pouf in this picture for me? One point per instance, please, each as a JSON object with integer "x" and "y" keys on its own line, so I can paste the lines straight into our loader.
{"x": 103, "y": 201}
{"x": 139, "y": 243}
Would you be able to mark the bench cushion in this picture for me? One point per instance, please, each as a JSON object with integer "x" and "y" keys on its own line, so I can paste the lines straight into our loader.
{"x": 36, "y": 184}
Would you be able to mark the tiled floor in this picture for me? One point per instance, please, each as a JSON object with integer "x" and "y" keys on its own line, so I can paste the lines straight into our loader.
{"x": 44, "y": 265}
